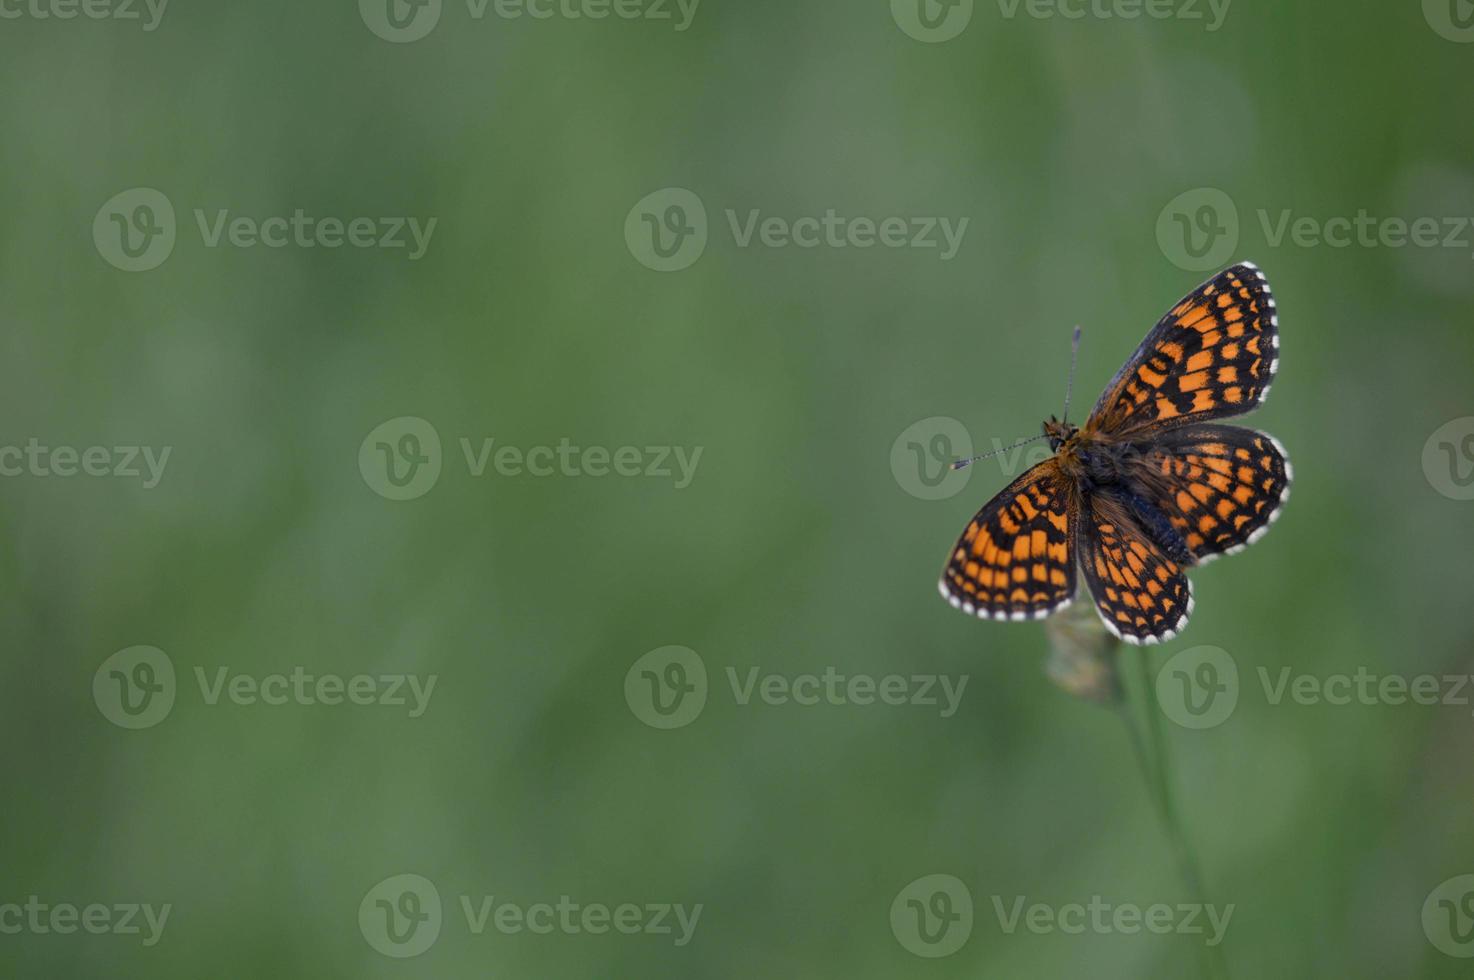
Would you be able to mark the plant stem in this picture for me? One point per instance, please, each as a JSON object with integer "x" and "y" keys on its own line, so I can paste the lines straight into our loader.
{"x": 1156, "y": 765}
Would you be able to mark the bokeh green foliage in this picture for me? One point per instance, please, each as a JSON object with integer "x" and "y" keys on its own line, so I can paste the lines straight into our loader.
{"x": 794, "y": 549}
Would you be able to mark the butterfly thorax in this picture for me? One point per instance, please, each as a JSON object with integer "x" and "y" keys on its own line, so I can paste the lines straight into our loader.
{"x": 1086, "y": 456}
{"x": 1104, "y": 467}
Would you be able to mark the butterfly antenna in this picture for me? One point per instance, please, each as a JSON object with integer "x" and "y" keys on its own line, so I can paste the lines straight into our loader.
{"x": 1022, "y": 442}
{"x": 1070, "y": 384}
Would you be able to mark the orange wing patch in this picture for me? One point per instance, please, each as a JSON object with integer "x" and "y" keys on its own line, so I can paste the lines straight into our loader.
{"x": 1220, "y": 486}
{"x": 1213, "y": 355}
{"x": 1142, "y": 595}
{"x": 1016, "y": 559}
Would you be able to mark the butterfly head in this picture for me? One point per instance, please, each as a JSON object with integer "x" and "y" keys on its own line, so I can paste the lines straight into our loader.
{"x": 1059, "y": 433}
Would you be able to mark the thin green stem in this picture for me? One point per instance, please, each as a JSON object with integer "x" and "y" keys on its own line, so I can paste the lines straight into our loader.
{"x": 1156, "y": 766}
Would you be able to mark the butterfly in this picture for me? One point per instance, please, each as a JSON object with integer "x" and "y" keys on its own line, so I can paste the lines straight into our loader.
{"x": 1151, "y": 485}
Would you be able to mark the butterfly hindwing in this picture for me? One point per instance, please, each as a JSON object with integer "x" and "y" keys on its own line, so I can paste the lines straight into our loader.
{"x": 1016, "y": 559}
{"x": 1143, "y": 595}
{"x": 1213, "y": 355}
{"x": 1220, "y": 486}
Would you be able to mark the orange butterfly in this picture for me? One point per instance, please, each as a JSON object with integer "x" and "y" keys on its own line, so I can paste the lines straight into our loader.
{"x": 1150, "y": 485}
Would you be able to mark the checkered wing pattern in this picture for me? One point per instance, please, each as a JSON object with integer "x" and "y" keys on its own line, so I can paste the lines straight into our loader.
{"x": 1220, "y": 486}
{"x": 1142, "y": 595}
{"x": 1016, "y": 559}
{"x": 1212, "y": 356}
{"x": 1152, "y": 483}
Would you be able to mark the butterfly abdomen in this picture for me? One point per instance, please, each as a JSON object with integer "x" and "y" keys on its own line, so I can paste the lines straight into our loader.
{"x": 1158, "y": 527}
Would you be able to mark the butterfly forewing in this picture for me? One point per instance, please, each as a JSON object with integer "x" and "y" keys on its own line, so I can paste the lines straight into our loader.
{"x": 1212, "y": 356}
{"x": 1142, "y": 594}
{"x": 1016, "y": 559}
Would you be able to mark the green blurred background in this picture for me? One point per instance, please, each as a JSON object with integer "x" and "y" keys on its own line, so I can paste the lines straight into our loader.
{"x": 796, "y": 547}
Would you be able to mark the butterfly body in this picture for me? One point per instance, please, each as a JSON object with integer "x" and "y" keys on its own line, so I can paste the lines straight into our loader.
{"x": 1149, "y": 486}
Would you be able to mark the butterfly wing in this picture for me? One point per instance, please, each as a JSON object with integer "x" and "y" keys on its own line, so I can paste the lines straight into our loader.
{"x": 1016, "y": 559}
{"x": 1213, "y": 355}
{"x": 1220, "y": 486}
{"x": 1143, "y": 595}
